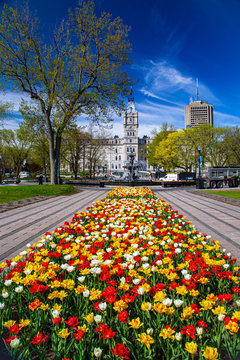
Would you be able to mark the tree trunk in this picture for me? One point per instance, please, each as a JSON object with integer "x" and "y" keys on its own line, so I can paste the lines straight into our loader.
{"x": 54, "y": 150}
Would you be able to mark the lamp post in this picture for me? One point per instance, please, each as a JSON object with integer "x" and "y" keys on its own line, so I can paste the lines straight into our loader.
{"x": 0, "y": 169}
{"x": 45, "y": 172}
{"x": 199, "y": 184}
{"x": 199, "y": 161}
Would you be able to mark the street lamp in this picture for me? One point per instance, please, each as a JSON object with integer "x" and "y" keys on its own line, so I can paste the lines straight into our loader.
{"x": 0, "y": 169}
{"x": 199, "y": 181}
{"x": 199, "y": 161}
{"x": 45, "y": 172}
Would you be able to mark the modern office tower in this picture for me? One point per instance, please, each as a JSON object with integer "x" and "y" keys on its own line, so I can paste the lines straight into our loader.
{"x": 198, "y": 113}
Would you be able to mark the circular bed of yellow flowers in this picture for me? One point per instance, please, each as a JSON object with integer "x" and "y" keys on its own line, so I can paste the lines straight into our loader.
{"x": 128, "y": 279}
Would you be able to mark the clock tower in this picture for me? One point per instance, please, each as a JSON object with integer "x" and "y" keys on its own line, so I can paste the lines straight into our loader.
{"x": 130, "y": 130}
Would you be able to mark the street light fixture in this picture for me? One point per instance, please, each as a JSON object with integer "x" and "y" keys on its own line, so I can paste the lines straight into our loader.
{"x": 199, "y": 181}
{"x": 0, "y": 169}
{"x": 199, "y": 161}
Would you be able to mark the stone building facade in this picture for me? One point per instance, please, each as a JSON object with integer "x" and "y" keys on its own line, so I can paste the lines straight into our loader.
{"x": 118, "y": 149}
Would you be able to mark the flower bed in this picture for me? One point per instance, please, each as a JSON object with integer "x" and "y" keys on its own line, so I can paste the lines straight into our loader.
{"x": 128, "y": 279}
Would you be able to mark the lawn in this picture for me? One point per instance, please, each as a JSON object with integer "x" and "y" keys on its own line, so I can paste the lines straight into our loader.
{"x": 235, "y": 194}
{"x": 13, "y": 193}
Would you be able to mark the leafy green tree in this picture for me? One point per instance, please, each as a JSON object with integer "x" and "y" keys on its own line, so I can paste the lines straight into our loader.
{"x": 75, "y": 144}
{"x": 166, "y": 154}
{"x": 219, "y": 147}
{"x": 17, "y": 145}
{"x": 166, "y": 129}
{"x": 82, "y": 72}
{"x": 231, "y": 144}
{"x": 95, "y": 153}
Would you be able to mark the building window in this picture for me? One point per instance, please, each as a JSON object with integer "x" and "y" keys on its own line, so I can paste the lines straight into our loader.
{"x": 130, "y": 140}
{"x": 112, "y": 166}
{"x": 127, "y": 149}
{"x": 115, "y": 157}
{"x": 119, "y": 166}
{"x": 116, "y": 151}
{"x": 119, "y": 157}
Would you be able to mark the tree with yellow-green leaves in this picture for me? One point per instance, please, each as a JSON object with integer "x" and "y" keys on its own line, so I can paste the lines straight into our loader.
{"x": 80, "y": 70}
{"x": 179, "y": 149}
{"x": 166, "y": 129}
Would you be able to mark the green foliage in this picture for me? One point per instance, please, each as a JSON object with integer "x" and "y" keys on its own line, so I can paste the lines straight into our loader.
{"x": 219, "y": 147}
{"x": 75, "y": 148}
{"x": 159, "y": 136}
{"x": 83, "y": 70}
{"x": 16, "y": 145}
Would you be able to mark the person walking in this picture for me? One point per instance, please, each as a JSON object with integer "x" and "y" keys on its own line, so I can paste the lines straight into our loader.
{"x": 40, "y": 179}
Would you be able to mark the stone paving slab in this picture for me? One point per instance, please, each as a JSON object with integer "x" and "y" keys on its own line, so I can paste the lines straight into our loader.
{"x": 220, "y": 198}
{"x": 19, "y": 203}
{"x": 219, "y": 219}
{"x": 35, "y": 220}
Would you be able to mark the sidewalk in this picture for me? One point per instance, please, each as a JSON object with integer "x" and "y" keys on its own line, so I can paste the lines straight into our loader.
{"x": 26, "y": 224}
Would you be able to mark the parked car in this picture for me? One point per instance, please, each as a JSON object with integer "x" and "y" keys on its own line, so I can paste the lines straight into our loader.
{"x": 11, "y": 181}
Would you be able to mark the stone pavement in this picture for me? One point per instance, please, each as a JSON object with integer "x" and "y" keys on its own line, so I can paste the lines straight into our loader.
{"x": 20, "y": 226}
{"x": 211, "y": 215}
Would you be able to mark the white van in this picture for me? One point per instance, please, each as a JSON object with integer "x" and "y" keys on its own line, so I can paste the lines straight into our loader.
{"x": 170, "y": 177}
{"x": 24, "y": 174}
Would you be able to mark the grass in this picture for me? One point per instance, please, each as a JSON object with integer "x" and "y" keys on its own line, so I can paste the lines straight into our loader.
{"x": 13, "y": 193}
{"x": 235, "y": 194}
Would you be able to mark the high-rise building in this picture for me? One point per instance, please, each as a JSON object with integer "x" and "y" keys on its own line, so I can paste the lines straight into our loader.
{"x": 198, "y": 113}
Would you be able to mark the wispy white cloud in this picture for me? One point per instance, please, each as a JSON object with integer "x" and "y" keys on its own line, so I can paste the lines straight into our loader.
{"x": 166, "y": 82}
{"x": 223, "y": 119}
{"x": 152, "y": 95}
{"x": 14, "y": 97}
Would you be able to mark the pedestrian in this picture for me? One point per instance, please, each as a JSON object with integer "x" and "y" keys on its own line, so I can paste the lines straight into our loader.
{"x": 40, "y": 179}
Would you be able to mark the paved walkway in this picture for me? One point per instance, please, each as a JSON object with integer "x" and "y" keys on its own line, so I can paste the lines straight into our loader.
{"x": 216, "y": 218}
{"x": 27, "y": 224}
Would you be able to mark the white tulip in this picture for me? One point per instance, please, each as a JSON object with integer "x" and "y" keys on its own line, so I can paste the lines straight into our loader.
{"x": 98, "y": 318}
{"x": 97, "y": 352}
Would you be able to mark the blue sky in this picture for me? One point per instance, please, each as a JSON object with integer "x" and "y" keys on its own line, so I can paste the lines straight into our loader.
{"x": 174, "y": 42}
